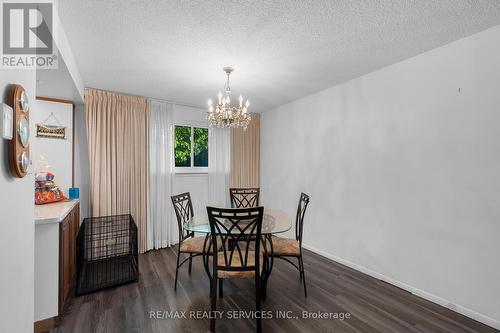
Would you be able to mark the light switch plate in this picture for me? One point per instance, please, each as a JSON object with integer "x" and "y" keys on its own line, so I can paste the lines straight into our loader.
{"x": 6, "y": 121}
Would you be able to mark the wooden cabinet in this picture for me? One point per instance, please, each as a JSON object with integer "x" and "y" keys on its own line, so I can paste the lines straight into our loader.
{"x": 55, "y": 260}
{"x": 67, "y": 254}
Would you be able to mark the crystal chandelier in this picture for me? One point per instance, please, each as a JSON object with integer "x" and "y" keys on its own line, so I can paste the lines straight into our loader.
{"x": 223, "y": 114}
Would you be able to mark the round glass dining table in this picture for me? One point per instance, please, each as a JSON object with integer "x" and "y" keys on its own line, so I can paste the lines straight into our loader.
{"x": 274, "y": 221}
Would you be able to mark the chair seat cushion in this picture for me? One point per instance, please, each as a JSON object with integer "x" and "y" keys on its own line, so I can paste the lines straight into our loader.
{"x": 193, "y": 245}
{"x": 236, "y": 262}
{"x": 286, "y": 247}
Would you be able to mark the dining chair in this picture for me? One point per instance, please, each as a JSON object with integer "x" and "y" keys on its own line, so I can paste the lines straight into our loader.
{"x": 244, "y": 259}
{"x": 244, "y": 197}
{"x": 285, "y": 248}
{"x": 188, "y": 243}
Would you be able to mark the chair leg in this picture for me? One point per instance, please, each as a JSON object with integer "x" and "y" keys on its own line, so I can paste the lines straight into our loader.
{"x": 190, "y": 262}
{"x": 221, "y": 283}
{"x": 263, "y": 282}
{"x": 300, "y": 268}
{"x": 258, "y": 295}
{"x": 177, "y": 270}
{"x": 263, "y": 289}
{"x": 213, "y": 302}
{"x": 303, "y": 275}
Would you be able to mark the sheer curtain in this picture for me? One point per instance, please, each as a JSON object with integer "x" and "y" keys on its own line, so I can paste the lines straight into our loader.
{"x": 160, "y": 221}
{"x": 218, "y": 168}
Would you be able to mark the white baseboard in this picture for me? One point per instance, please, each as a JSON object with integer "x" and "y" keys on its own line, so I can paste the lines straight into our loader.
{"x": 428, "y": 296}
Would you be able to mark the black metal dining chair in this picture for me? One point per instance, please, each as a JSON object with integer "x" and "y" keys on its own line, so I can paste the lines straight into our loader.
{"x": 244, "y": 259}
{"x": 285, "y": 248}
{"x": 244, "y": 197}
{"x": 188, "y": 243}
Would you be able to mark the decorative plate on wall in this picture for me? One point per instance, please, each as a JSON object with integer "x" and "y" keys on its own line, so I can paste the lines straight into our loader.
{"x": 25, "y": 105}
{"x": 24, "y": 162}
{"x": 19, "y": 150}
{"x": 24, "y": 131}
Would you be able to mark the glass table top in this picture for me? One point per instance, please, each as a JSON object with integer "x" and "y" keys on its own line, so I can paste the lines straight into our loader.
{"x": 274, "y": 221}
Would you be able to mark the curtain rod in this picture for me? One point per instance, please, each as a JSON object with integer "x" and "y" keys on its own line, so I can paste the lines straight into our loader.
{"x": 150, "y": 98}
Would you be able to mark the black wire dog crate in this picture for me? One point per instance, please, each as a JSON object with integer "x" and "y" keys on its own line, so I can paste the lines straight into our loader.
{"x": 106, "y": 253}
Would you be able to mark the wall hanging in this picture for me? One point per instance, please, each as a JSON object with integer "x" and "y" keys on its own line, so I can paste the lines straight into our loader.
{"x": 44, "y": 130}
{"x": 19, "y": 152}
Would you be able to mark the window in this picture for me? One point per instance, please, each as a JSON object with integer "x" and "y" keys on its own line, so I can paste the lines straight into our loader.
{"x": 190, "y": 148}
{"x": 200, "y": 153}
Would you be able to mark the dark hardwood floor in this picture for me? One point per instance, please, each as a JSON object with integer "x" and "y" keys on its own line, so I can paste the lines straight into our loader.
{"x": 374, "y": 306}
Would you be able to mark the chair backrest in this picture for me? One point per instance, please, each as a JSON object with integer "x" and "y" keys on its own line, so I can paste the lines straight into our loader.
{"x": 238, "y": 231}
{"x": 244, "y": 197}
{"x": 299, "y": 219}
{"x": 183, "y": 208}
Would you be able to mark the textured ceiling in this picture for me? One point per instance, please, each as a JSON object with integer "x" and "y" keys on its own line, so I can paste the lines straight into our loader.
{"x": 281, "y": 49}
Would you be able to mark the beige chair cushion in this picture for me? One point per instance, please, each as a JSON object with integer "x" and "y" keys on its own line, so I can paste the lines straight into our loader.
{"x": 194, "y": 244}
{"x": 286, "y": 246}
{"x": 236, "y": 262}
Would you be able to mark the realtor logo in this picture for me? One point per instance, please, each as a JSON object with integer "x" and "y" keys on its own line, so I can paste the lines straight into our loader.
{"x": 27, "y": 35}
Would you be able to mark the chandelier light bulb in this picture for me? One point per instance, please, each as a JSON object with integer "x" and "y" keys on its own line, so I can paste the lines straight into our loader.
{"x": 241, "y": 100}
{"x": 247, "y": 104}
{"x": 210, "y": 102}
{"x": 220, "y": 97}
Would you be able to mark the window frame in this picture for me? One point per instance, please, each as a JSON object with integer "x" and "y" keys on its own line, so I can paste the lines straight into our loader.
{"x": 190, "y": 169}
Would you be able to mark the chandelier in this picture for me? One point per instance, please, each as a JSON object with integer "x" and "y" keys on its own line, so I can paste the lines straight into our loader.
{"x": 223, "y": 114}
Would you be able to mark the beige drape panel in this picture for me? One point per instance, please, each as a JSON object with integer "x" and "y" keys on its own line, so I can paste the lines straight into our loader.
{"x": 245, "y": 155}
{"x": 117, "y": 134}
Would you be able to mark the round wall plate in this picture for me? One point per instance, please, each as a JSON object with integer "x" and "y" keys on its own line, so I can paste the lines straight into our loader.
{"x": 24, "y": 162}
{"x": 24, "y": 131}
{"x": 25, "y": 105}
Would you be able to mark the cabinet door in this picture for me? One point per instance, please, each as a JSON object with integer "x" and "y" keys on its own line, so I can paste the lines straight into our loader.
{"x": 74, "y": 223}
{"x": 64, "y": 255}
{"x": 67, "y": 254}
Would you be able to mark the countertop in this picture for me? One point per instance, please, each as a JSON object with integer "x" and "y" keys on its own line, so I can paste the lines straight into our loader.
{"x": 53, "y": 212}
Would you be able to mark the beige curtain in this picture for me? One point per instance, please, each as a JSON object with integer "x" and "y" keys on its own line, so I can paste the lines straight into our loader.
{"x": 245, "y": 155}
{"x": 117, "y": 134}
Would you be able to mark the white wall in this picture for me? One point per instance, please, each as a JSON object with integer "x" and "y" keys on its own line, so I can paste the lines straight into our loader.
{"x": 82, "y": 166}
{"x": 57, "y": 152}
{"x": 16, "y": 228}
{"x": 402, "y": 166}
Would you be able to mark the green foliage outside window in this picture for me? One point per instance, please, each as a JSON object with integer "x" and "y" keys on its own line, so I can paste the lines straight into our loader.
{"x": 182, "y": 146}
{"x": 200, "y": 138}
